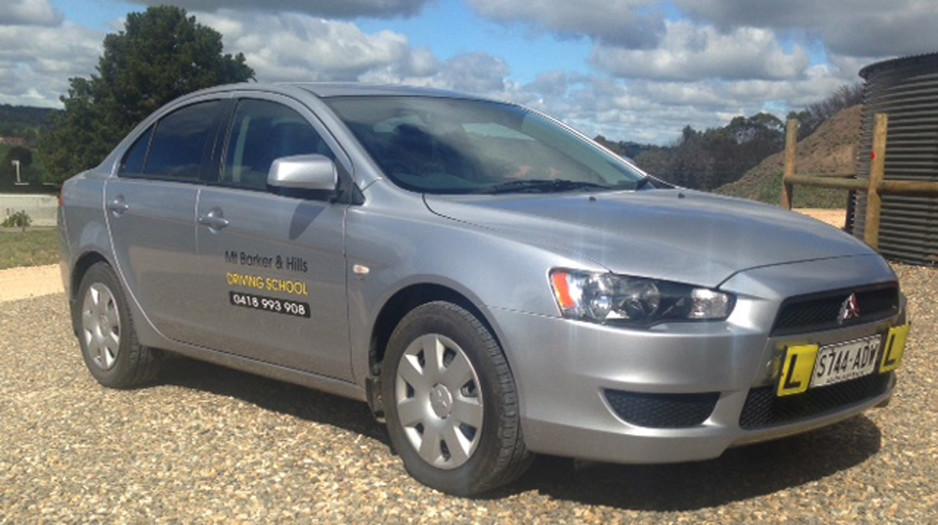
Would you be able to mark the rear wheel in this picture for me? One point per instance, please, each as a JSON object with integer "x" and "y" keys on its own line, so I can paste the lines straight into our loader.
{"x": 106, "y": 333}
{"x": 452, "y": 407}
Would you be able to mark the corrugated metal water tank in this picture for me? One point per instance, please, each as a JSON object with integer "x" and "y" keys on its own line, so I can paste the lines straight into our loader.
{"x": 907, "y": 90}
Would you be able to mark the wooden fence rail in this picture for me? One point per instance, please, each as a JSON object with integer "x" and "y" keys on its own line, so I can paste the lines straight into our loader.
{"x": 875, "y": 187}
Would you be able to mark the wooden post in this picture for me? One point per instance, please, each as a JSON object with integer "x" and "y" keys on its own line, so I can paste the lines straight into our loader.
{"x": 791, "y": 142}
{"x": 874, "y": 201}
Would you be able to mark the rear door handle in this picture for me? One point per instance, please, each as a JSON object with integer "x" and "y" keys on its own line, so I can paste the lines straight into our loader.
{"x": 118, "y": 206}
{"x": 214, "y": 219}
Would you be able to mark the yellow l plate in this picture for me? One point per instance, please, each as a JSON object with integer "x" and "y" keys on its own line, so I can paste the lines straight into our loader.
{"x": 894, "y": 348}
{"x": 797, "y": 369}
{"x": 798, "y": 364}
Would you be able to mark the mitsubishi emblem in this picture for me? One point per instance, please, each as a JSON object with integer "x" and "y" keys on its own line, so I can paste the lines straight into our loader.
{"x": 849, "y": 309}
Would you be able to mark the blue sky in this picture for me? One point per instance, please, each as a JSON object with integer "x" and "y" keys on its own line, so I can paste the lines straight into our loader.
{"x": 526, "y": 51}
{"x": 100, "y": 15}
{"x": 628, "y": 69}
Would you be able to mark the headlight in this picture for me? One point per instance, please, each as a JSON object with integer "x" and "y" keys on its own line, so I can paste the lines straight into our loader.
{"x": 618, "y": 299}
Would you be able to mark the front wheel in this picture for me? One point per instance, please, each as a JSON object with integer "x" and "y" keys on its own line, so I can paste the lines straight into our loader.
{"x": 452, "y": 407}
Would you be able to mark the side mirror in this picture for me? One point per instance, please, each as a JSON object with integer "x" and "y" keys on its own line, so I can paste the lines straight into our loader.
{"x": 304, "y": 172}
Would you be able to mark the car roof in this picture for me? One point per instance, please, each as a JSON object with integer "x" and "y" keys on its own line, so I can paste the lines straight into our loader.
{"x": 344, "y": 89}
{"x": 335, "y": 89}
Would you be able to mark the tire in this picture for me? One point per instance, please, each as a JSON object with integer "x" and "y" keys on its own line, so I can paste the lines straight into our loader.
{"x": 106, "y": 333}
{"x": 455, "y": 423}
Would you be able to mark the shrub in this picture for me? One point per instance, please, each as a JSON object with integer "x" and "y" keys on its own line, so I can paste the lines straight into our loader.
{"x": 20, "y": 218}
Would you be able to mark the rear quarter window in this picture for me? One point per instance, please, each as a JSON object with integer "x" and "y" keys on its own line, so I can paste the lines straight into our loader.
{"x": 136, "y": 156}
{"x": 176, "y": 146}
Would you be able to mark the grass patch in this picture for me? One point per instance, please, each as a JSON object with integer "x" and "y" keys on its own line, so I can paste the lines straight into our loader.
{"x": 34, "y": 247}
{"x": 769, "y": 191}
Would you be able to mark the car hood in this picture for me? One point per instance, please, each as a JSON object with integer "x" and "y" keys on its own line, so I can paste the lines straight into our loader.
{"x": 677, "y": 235}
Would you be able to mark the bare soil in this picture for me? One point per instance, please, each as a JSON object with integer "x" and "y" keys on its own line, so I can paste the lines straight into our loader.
{"x": 831, "y": 149}
{"x": 833, "y": 216}
{"x": 33, "y": 281}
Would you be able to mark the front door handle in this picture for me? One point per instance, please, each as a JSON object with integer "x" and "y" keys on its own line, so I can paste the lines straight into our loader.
{"x": 214, "y": 219}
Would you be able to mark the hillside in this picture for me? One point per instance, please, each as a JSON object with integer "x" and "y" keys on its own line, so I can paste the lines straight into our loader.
{"x": 830, "y": 149}
{"x": 22, "y": 121}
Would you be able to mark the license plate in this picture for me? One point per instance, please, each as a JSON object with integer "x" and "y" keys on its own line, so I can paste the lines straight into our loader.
{"x": 814, "y": 366}
{"x": 845, "y": 361}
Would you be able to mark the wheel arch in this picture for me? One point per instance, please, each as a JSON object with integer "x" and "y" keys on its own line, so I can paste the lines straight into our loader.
{"x": 79, "y": 269}
{"x": 405, "y": 300}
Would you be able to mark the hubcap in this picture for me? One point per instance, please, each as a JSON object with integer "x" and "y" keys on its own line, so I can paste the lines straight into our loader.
{"x": 439, "y": 402}
{"x": 101, "y": 325}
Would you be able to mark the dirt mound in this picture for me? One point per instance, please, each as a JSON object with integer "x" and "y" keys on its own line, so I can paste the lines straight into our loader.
{"x": 830, "y": 149}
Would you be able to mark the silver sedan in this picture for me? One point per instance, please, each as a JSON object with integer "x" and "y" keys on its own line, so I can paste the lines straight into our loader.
{"x": 492, "y": 283}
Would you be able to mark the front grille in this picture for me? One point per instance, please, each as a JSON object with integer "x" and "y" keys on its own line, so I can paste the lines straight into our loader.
{"x": 820, "y": 311}
{"x": 763, "y": 408}
{"x": 662, "y": 410}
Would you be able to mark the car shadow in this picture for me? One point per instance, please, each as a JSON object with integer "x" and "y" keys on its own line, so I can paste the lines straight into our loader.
{"x": 739, "y": 474}
{"x": 273, "y": 395}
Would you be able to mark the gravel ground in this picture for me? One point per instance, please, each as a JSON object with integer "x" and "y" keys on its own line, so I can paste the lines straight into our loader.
{"x": 207, "y": 444}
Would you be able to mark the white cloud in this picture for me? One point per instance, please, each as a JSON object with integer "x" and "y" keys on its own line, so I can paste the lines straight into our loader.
{"x": 341, "y": 9}
{"x": 854, "y": 28}
{"x": 847, "y": 68}
{"x": 652, "y": 107}
{"x": 717, "y": 60}
{"x": 858, "y": 28}
{"x": 689, "y": 52}
{"x": 29, "y": 12}
{"x": 474, "y": 73}
{"x": 618, "y": 111}
{"x": 36, "y": 62}
{"x": 650, "y": 77}
{"x": 292, "y": 47}
{"x": 655, "y": 111}
{"x": 627, "y": 23}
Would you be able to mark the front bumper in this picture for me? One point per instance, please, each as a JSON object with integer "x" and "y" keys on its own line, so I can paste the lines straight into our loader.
{"x": 580, "y": 383}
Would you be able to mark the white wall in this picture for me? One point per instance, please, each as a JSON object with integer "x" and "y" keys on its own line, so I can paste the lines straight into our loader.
{"x": 41, "y": 208}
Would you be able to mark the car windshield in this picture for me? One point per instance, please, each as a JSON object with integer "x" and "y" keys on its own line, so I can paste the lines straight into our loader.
{"x": 448, "y": 146}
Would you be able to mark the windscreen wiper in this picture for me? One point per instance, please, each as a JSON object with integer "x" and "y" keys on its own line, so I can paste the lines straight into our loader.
{"x": 541, "y": 186}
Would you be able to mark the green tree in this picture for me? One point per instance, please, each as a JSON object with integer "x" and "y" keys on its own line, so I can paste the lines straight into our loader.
{"x": 709, "y": 159}
{"x": 160, "y": 55}
{"x": 23, "y": 155}
{"x": 811, "y": 118}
